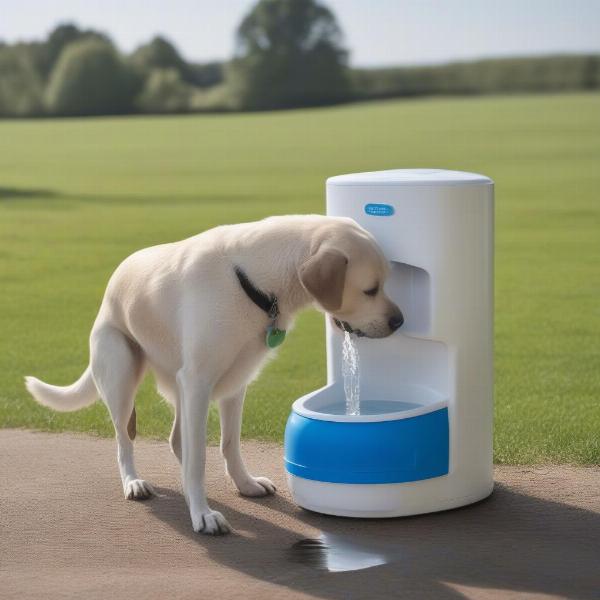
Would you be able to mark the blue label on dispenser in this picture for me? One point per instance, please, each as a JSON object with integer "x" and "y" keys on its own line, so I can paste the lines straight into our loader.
{"x": 379, "y": 210}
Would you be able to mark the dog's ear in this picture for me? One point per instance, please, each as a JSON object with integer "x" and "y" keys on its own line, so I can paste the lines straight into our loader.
{"x": 323, "y": 276}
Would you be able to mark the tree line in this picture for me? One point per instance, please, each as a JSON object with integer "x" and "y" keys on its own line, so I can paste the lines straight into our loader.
{"x": 492, "y": 76}
{"x": 288, "y": 53}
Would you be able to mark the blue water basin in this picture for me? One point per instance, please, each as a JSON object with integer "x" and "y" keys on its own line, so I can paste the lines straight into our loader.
{"x": 399, "y": 449}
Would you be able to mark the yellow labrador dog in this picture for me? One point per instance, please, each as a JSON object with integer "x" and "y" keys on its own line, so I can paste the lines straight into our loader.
{"x": 203, "y": 315}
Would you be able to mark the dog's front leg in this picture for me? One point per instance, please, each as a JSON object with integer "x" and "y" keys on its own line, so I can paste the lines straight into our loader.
{"x": 194, "y": 396}
{"x": 230, "y": 412}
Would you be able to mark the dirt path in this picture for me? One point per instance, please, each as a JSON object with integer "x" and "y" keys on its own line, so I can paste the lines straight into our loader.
{"x": 66, "y": 532}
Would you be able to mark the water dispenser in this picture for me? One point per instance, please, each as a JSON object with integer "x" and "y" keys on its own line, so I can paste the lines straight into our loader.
{"x": 423, "y": 439}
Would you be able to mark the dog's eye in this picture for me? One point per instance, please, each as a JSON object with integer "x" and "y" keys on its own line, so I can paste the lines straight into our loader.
{"x": 373, "y": 291}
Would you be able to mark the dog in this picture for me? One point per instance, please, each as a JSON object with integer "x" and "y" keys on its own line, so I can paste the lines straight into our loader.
{"x": 203, "y": 314}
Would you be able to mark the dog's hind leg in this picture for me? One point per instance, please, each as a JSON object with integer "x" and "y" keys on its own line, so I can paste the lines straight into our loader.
{"x": 117, "y": 367}
{"x": 230, "y": 413}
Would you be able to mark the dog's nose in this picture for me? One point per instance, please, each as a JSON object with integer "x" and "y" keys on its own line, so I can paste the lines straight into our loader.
{"x": 396, "y": 321}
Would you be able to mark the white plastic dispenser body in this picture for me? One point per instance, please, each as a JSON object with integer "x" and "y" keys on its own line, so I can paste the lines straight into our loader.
{"x": 431, "y": 448}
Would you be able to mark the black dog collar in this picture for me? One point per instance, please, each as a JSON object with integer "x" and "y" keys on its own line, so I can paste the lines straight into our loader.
{"x": 267, "y": 303}
{"x": 262, "y": 300}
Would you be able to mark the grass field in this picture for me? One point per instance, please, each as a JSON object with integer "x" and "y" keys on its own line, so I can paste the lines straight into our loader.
{"x": 77, "y": 196}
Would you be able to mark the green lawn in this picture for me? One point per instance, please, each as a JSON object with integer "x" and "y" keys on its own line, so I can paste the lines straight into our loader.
{"x": 77, "y": 196}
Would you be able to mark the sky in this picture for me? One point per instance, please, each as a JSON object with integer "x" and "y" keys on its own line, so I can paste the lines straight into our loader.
{"x": 377, "y": 32}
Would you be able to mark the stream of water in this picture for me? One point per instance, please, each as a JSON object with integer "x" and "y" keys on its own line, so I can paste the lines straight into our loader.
{"x": 351, "y": 375}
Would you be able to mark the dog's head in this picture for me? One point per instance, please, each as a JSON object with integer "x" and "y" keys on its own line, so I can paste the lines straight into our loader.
{"x": 346, "y": 275}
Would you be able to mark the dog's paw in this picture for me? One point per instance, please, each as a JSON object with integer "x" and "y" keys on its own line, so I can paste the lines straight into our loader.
{"x": 211, "y": 522}
{"x": 256, "y": 487}
{"x": 138, "y": 489}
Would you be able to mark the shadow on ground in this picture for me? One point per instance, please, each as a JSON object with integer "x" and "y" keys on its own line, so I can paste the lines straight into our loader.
{"x": 67, "y": 532}
{"x": 510, "y": 541}
{"x": 141, "y": 199}
{"x": 14, "y": 193}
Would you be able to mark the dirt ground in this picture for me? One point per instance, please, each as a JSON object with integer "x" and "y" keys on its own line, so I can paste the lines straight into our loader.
{"x": 67, "y": 532}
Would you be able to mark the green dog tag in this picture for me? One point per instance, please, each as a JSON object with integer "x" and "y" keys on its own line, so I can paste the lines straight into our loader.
{"x": 274, "y": 336}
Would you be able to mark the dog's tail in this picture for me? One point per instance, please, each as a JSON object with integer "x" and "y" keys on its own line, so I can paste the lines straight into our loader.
{"x": 71, "y": 397}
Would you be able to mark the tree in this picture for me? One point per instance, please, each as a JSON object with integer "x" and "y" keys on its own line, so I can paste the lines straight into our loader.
{"x": 205, "y": 75}
{"x": 45, "y": 54}
{"x": 288, "y": 53}
{"x": 20, "y": 84}
{"x": 164, "y": 92}
{"x": 159, "y": 53}
{"x": 90, "y": 79}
